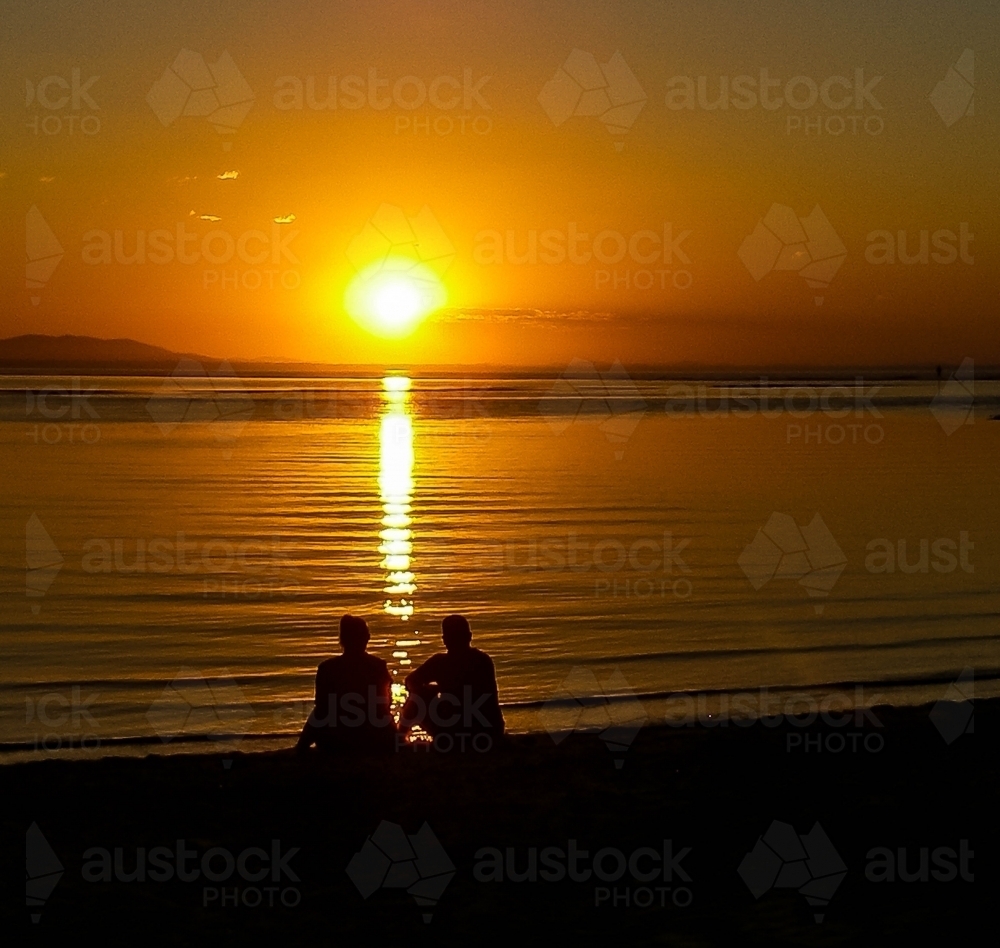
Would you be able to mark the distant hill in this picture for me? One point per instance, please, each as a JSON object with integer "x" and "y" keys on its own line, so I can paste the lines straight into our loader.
{"x": 39, "y": 353}
{"x": 88, "y": 355}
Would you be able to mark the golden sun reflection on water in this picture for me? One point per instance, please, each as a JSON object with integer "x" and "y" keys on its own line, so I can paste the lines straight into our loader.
{"x": 395, "y": 482}
{"x": 396, "y": 487}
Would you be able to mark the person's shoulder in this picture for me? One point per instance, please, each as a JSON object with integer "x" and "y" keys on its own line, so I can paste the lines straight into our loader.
{"x": 375, "y": 662}
{"x": 434, "y": 665}
{"x": 482, "y": 656}
{"x": 328, "y": 665}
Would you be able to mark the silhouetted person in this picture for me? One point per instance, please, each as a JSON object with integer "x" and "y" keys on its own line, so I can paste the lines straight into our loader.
{"x": 353, "y": 695}
{"x": 454, "y": 691}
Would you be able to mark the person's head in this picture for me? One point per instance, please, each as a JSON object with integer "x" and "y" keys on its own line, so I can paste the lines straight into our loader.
{"x": 456, "y": 632}
{"x": 354, "y": 634}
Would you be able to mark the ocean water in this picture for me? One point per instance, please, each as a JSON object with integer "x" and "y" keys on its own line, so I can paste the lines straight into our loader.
{"x": 175, "y": 554}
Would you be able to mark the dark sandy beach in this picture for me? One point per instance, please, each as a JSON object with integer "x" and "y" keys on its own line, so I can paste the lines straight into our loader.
{"x": 700, "y": 796}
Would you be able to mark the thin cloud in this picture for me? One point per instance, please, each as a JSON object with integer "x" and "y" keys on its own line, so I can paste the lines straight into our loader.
{"x": 522, "y": 315}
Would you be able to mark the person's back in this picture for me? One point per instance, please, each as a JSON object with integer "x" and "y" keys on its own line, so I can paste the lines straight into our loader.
{"x": 467, "y": 675}
{"x": 353, "y": 697}
{"x": 349, "y": 674}
{"x": 458, "y": 687}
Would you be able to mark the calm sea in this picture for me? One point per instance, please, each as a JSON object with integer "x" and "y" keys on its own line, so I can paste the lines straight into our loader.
{"x": 176, "y": 553}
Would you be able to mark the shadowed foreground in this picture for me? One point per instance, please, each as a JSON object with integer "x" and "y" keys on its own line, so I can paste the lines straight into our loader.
{"x": 715, "y": 790}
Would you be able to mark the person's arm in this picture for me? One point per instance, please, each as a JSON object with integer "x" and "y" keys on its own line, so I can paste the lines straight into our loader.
{"x": 422, "y": 675}
{"x": 492, "y": 674}
{"x": 308, "y": 736}
{"x": 494, "y": 702}
{"x": 384, "y": 698}
{"x": 321, "y": 706}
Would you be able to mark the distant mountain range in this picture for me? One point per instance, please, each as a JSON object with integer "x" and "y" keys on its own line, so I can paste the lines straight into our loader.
{"x": 39, "y": 353}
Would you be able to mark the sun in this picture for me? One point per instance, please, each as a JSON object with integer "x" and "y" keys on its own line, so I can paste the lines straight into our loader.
{"x": 392, "y": 297}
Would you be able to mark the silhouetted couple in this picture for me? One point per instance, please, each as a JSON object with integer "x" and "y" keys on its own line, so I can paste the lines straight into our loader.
{"x": 454, "y": 692}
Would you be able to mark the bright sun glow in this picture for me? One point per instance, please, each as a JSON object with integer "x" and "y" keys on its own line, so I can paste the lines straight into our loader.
{"x": 392, "y": 297}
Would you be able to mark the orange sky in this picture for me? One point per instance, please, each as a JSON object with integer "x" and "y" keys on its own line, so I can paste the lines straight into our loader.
{"x": 466, "y": 137}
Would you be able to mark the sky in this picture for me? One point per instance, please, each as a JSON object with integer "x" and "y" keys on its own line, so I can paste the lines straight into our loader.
{"x": 557, "y": 166}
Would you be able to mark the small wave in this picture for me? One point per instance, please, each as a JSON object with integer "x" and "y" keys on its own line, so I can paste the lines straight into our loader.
{"x": 887, "y": 683}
